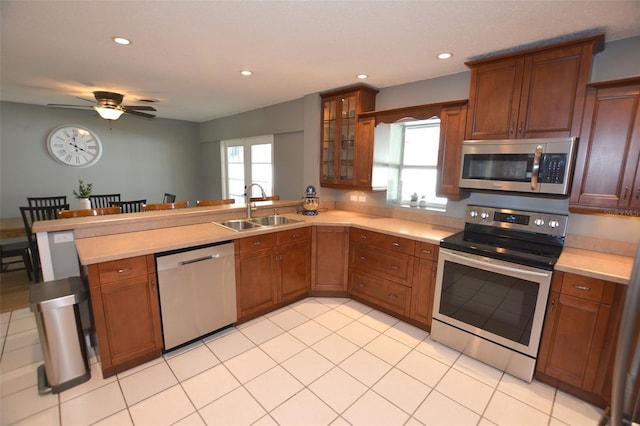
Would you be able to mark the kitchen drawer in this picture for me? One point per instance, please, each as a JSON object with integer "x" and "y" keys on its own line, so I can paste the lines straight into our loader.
{"x": 259, "y": 242}
{"x": 394, "y": 266}
{"x": 293, "y": 235}
{"x": 381, "y": 292}
{"x": 426, "y": 251}
{"x": 584, "y": 287}
{"x": 122, "y": 269}
{"x": 387, "y": 242}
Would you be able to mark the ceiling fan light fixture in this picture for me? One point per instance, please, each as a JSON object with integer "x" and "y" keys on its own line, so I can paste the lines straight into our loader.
{"x": 109, "y": 113}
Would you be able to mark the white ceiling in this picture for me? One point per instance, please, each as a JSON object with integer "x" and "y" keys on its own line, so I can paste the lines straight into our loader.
{"x": 188, "y": 54}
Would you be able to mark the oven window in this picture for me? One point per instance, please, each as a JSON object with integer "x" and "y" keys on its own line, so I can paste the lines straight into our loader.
{"x": 499, "y": 304}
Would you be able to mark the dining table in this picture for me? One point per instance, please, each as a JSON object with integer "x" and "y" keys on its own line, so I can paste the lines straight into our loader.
{"x": 11, "y": 227}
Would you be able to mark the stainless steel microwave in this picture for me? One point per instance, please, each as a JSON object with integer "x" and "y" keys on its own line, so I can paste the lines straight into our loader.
{"x": 540, "y": 166}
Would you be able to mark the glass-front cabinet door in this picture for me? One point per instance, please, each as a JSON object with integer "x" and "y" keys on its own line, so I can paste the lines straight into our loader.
{"x": 340, "y": 140}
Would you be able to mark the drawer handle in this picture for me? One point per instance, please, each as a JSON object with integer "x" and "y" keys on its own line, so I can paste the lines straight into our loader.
{"x": 626, "y": 191}
{"x": 582, "y": 287}
{"x": 396, "y": 244}
{"x": 363, "y": 258}
{"x": 392, "y": 296}
{"x": 395, "y": 268}
{"x": 426, "y": 251}
{"x": 121, "y": 271}
{"x": 364, "y": 237}
{"x": 360, "y": 285}
{"x": 257, "y": 243}
{"x": 295, "y": 235}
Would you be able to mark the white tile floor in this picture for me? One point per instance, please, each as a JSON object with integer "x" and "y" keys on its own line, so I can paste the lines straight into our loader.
{"x": 321, "y": 361}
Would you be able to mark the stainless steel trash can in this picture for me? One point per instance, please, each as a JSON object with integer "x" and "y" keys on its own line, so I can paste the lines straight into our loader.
{"x": 56, "y": 305}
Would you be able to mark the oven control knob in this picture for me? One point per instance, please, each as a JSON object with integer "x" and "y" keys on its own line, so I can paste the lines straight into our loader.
{"x": 484, "y": 215}
{"x": 473, "y": 213}
{"x": 554, "y": 223}
{"x": 539, "y": 222}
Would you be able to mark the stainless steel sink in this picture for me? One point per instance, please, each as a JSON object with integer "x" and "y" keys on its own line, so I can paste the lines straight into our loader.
{"x": 239, "y": 224}
{"x": 257, "y": 222}
{"x": 274, "y": 220}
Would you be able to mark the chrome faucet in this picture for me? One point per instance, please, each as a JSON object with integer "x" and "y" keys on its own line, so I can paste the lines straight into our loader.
{"x": 247, "y": 197}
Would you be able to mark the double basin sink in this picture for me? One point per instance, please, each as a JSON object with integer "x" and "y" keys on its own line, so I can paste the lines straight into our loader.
{"x": 257, "y": 222}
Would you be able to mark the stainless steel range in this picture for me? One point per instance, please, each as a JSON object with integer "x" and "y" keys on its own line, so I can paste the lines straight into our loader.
{"x": 492, "y": 285}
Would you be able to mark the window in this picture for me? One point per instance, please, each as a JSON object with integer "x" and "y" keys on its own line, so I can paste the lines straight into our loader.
{"x": 247, "y": 161}
{"x": 413, "y": 170}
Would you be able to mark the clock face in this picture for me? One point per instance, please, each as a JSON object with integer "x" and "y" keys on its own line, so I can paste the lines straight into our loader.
{"x": 74, "y": 146}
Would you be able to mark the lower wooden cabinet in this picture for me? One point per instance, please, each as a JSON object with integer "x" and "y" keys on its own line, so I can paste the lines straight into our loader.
{"x": 126, "y": 312}
{"x": 272, "y": 269}
{"x": 581, "y": 324}
{"x": 424, "y": 278}
{"x": 330, "y": 258}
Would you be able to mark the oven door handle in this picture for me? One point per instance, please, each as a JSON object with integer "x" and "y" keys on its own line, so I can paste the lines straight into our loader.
{"x": 535, "y": 172}
{"x": 466, "y": 260}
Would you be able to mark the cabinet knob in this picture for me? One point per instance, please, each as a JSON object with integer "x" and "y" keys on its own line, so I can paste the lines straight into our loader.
{"x": 520, "y": 127}
{"x": 513, "y": 124}
{"x": 396, "y": 244}
{"x": 363, "y": 258}
{"x": 395, "y": 268}
{"x": 257, "y": 243}
{"x": 121, "y": 271}
{"x": 638, "y": 193}
{"x": 360, "y": 285}
{"x": 626, "y": 191}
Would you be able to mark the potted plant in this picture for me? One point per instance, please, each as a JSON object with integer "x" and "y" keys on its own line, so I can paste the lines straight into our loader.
{"x": 83, "y": 193}
{"x": 414, "y": 200}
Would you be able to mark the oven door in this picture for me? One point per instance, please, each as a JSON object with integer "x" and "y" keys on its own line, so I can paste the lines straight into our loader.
{"x": 498, "y": 301}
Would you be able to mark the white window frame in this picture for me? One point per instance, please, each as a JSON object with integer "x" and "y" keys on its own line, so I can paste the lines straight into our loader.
{"x": 246, "y": 143}
{"x": 396, "y": 194}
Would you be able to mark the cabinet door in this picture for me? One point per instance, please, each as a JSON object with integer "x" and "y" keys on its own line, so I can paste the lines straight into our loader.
{"x": 452, "y": 127}
{"x": 422, "y": 291}
{"x": 608, "y": 151}
{"x": 553, "y": 91}
{"x": 255, "y": 284}
{"x": 494, "y": 98}
{"x": 294, "y": 269}
{"x": 330, "y": 258}
{"x": 363, "y": 160}
{"x": 130, "y": 311}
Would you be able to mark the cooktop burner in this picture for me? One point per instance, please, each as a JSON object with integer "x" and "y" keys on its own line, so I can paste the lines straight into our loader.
{"x": 528, "y": 238}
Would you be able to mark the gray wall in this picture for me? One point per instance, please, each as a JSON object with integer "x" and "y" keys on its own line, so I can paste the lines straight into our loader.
{"x": 141, "y": 158}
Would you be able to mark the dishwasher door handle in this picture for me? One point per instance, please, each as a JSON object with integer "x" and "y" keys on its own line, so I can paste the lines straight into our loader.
{"x": 199, "y": 259}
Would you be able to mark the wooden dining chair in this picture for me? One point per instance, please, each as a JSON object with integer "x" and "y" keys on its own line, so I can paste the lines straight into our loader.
{"x": 165, "y": 206}
{"x": 102, "y": 201}
{"x": 201, "y": 203}
{"x": 271, "y": 198}
{"x": 47, "y": 201}
{"x": 129, "y": 206}
{"x": 101, "y": 211}
{"x": 34, "y": 214}
{"x": 169, "y": 198}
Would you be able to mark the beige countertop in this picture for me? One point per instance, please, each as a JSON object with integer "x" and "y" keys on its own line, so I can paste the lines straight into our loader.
{"x": 103, "y": 248}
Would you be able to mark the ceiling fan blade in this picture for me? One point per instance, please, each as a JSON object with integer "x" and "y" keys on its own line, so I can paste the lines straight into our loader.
{"x": 140, "y": 108}
{"x": 139, "y": 114}
{"x": 70, "y": 106}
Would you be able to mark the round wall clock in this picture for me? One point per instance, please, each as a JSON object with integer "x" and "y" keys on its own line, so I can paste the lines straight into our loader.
{"x": 74, "y": 146}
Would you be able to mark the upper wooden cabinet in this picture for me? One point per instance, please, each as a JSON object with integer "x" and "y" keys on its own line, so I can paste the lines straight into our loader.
{"x": 532, "y": 94}
{"x": 346, "y": 156}
{"x": 607, "y": 177}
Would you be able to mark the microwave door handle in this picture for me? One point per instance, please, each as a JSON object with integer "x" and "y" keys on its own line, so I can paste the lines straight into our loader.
{"x": 536, "y": 168}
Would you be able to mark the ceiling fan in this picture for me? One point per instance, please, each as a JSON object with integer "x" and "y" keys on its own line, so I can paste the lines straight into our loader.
{"x": 109, "y": 106}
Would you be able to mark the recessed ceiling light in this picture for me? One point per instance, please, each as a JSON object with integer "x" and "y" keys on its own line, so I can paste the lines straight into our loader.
{"x": 246, "y": 72}
{"x": 362, "y": 76}
{"x": 121, "y": 40}
{"x": 444, "y": 55}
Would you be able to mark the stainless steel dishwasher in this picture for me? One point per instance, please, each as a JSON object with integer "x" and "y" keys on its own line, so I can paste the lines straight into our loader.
{"x": 197, "y": 288}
